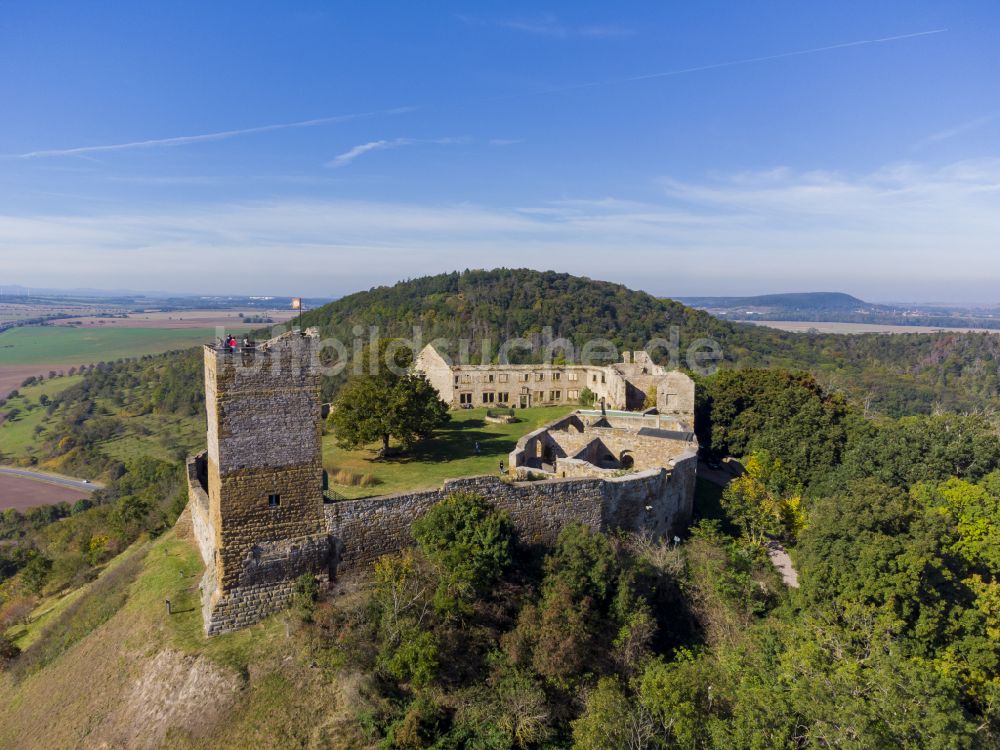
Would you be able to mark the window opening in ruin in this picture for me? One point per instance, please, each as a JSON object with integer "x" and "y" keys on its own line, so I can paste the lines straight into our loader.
{"x": 273, "y": 501}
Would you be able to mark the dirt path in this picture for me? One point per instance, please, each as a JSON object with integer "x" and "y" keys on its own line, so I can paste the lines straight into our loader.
{"x": 781, "y": 561}
{"x": 775, "y": 551}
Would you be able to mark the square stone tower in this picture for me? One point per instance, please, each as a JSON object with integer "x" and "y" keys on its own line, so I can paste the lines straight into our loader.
{"x": 264, "y": 476}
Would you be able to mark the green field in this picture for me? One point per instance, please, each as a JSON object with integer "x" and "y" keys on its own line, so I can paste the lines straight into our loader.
{"x": 18, "y": 435}
{"x": 64, "y": 345}
{"x": 449, "y": 454}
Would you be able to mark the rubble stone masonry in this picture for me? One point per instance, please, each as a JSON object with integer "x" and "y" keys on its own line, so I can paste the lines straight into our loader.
{"x": 256, "y": 503}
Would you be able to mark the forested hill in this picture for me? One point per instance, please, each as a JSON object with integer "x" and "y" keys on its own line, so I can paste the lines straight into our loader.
{"x": 797, "y": 301}
{"x": 898, "y": 374}
{"x": 505, "y": 303}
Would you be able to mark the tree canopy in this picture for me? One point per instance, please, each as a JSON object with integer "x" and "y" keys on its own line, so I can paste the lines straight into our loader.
{"x": 389, "y": 401}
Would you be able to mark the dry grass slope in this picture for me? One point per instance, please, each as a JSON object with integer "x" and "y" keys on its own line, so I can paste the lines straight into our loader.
{"x": 142, "y": 678}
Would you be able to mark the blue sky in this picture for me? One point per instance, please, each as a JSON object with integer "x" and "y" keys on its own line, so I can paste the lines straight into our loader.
{"x": 682, "y": 148}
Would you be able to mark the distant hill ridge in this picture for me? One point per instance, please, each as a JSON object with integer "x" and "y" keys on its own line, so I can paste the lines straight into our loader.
{"x": 837, "y": 307}
{"x": 791, "y": 301}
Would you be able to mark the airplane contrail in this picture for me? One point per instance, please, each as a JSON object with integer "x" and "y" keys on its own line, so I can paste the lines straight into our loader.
{"x": 217, "y": 136}
{"x": 224, "y": 134}
{"x": 743, "y": 61}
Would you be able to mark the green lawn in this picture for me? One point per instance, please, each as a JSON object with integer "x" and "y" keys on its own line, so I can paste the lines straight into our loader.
{"x": 449, "y": 454}
{"x": 64, "y": 345}
{"x": 19, "y": 435}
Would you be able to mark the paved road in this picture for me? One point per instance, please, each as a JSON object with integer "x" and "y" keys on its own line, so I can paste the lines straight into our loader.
{"x": 75, "y": 484}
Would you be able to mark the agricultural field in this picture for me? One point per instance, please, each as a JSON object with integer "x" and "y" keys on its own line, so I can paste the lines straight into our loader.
{"x": 22, "y": 493}
{"x": 88, "y": 339}
{"x": 38, "y": 350}
{"x": 450, "y": 454}
{"x": 801, "y": 326}
{"x": 43, "y": 346}
{"x": 181, "y": 319}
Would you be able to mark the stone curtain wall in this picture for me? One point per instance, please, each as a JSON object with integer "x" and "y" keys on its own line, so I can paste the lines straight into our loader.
{"x": 655, "y": 502}
{"x": 201, "y": 526}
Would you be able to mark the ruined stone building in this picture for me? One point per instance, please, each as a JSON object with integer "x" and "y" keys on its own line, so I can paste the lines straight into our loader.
{"x": 624, "y": 385}
{"x": 260, "y": 517}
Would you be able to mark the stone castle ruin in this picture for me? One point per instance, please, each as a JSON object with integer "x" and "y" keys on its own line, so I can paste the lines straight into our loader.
{"x": 261, "y": 518}
{"x": 625, "y": 385}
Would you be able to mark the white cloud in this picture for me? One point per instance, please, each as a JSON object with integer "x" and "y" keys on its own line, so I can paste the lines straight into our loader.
{"x": 952, "y": 132}
{"x": 548, "y": 25}
{"x": 342, "y": 160}
{"x": 903, "y": 231}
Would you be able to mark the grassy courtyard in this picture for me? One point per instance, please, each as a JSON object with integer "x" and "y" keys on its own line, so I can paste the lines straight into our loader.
{"x": 449, "y": 454}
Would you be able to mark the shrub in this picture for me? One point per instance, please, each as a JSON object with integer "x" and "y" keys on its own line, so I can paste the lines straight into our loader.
{"x": 306, "y": 596}
{"x": 469, "y": 543}
{"x": 8, "y": 651}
